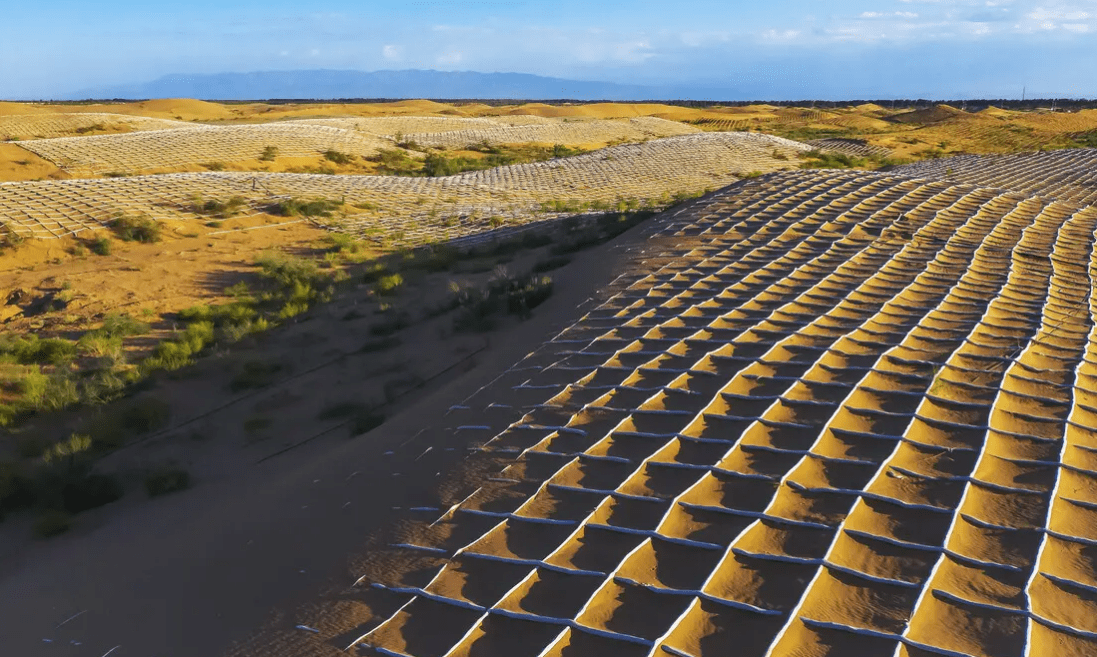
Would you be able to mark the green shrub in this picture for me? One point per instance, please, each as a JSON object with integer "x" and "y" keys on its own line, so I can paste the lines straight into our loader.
{"x": 12, "y": 240}
{"x": 169, "y": 355}
{"x": 219, "y": 209}
{"x": 342, "y": 243}
{"x": 136, "y": 229}
{"x": 98, "y": 345}
{"x": 287, "y": 270}
{"x": 293, "y": 207}
{"x": 197, "y": 336}
{"x": 146, "y": 415}
{"x": 524, "y": 296}
{"x": 393, "y": 161}
{"x": 338, "y": 157}
{"x": 269, "y": 153}
{"x": 100, "y": 246}
{"x": 32, "y": 350}
{"x": 375, "y": 272}
{"x": 389, "y": 285}
{"x": 196, "y": 313}
{"x": 117, "y": 174}
{"x": 480, "y": 308}
{"x": 106, "y": 385}
{"x": 830, "y": 160}
{"x": 49, "y": 392}
{"x": 166, "y": 480}
{"x": 122, "y": 325}
{"x": 255, "y": 374}
{"x": 292, "y": 309}
{"x": 214, "y": 166}
{"x": 67, "y": 452}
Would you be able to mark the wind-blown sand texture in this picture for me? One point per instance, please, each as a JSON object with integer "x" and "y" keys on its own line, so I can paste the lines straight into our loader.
{"x": 558, "y": 132}
{"x": 44, "y": 126}
{"x": 1069, "y": 175}
{"x": 854, "y": 147}
{"x": 413, "y": 210}
{"x": 140, "y": 151}
{"x": 841, "y": 413}
{"x": 407, "y": 125}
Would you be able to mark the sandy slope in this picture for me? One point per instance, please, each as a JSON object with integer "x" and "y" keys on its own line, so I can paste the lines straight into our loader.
{"x": 828, "y": 418}
{"x": 187, "y": 575}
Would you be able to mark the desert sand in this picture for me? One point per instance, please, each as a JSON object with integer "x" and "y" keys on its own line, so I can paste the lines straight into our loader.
{"x": 814, "y": 412}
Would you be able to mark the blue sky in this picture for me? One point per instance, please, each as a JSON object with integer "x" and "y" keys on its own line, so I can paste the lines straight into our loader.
{"x": 778, "y": 49}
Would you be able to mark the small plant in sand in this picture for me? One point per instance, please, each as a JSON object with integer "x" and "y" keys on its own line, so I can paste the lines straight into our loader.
{"x": 255, "y": 374}
{"x": 831, "y": 160}
{"x": 338, "y": 157}
{"x": 218, "y": 208}
{"x": 294, "y": 207}
{"x": 268, "y": 154}
{"x": 11, "y": 240}
{"x": 389, "y": 285}
{"x": 135, "y": 229}
{"x": 214, "y": 166}
{"x": 342, "y": 243}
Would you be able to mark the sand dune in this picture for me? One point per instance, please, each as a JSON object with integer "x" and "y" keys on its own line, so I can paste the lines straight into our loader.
{"x": 412, "y": 210}
{"x": 43, "y": 126}
{"x": 141, "y": 151}
{"x": 828, "y": 421}
{"x": 1070, "y": 175}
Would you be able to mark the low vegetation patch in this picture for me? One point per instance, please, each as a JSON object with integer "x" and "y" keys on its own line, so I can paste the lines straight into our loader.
{"x": 338, "y": 157}
{"x": 100, "y": 245}
{"x": 11, "y": 240}
{"x": 479, "y": 309}
{"x": 437, "y": 163}
{"x": 217, "y": 208}
{"x": 389, "y": 285}
{"x": 395, "y": 162}
{"x": 294, "y": 207}
{"x": 831, "y": 160}
{"x": 135, "y": 229}
{"x": 255, "y": 374}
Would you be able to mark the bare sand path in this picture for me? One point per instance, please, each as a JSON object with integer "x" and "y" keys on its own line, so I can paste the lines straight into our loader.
{"x": 188, "y": 575}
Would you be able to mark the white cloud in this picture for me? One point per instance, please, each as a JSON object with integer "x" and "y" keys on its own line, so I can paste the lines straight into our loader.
{"x": 780, "y": 35}
{"x": 392, "y": 52}
{"x": 888, "y": 14}
{"x": 938, "y": 20}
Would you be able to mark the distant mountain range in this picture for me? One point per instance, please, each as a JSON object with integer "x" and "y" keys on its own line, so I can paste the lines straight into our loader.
{"x": 328, "y": 84}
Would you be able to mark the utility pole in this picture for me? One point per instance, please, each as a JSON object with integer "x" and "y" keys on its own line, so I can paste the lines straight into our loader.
{"x": 1023, "y": 90}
